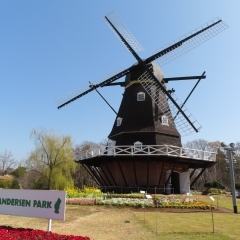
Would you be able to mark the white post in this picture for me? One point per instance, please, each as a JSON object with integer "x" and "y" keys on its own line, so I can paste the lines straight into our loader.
{"x": 229, "y": 150}
{"x": 229, "y": 153}
{"x": 212, "y": 212}
{"x": 49, "y": 225}
{"x": 49, "y": 228}
{"x": 180, "y": 151}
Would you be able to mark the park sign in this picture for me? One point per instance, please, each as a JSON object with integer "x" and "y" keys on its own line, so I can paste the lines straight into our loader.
{"x": 33, "y": 203}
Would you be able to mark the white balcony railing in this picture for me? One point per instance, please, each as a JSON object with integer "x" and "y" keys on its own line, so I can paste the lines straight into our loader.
{"x": 159, "y": 150}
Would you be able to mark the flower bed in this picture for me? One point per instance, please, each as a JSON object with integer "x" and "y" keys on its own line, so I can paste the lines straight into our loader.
{"x": 27, "y": 234}
{"x": 161, "y": 201}
{"x": 86, "y": 192}
{"x": 81, "y": 201}
{"x": 125, "y": 195}
{"x": 127, "y": 202}
{"x": 180, "y": 202}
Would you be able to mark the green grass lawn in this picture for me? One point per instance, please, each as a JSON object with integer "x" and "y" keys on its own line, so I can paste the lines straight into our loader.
{"x": 220, "y": 201}
{"x": 192, "y": 225}
{"x": 124, "y": 223}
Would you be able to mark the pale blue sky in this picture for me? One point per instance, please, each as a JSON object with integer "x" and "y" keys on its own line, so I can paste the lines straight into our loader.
{"x": 48, "y": 48}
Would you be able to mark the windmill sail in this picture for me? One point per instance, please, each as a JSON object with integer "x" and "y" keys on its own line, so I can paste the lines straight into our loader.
{"x": 74, "y": 95}
{"x": 184, "y": 121}
{"x": 188, "y": 42}
{"x": 171, "y": 52}
{"x": 115, "y": 23}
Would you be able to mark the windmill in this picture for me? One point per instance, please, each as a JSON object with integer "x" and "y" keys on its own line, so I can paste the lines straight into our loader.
{"x": 144, "y": 148}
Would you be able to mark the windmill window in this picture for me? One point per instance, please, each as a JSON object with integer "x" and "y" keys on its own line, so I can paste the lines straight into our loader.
{"x": 111, "y": 143}
{"x": 137, "y": 146}
{"x": 141, "y": 96}
{"x": 164, "y": 120}
{"x": 119, "y": 121}
{"x": 110, "y": 146}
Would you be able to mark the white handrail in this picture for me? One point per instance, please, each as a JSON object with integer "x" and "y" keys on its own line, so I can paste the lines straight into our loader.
{"x": 160, "y": 150}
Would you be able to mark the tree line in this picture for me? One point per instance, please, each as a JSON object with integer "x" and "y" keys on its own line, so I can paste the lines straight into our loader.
{"x": 52, "y": 164}
{"x": 220, "y": 171}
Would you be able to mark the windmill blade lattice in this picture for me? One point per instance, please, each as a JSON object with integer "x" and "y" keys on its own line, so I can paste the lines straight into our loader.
{"x": 124, "y": 31}
{"x": 188, "y": 42}
{"x": 72, "y": 96}
{"x": 67, "y": 97}
{"x": 167, "y": 107}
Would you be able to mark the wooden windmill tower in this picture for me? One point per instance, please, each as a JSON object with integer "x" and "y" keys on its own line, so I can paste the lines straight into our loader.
{"x": 144, "y": 150}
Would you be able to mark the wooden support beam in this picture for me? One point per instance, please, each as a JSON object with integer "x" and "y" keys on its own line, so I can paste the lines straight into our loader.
{"x": 171, "y": 172}
{"x": 135, "y": 174}
{"x": 160, "y": 177}
{"x": 193, "y": 172}
{"x": 106, "y": 175}
{"x": 122, "y": 173}
{"x": 147, "y": 172}
{"x": 96, "y": 176}
{"x": 110, "y": 173}
{"x": 197, "y": 177}
{"x": 99, "y": 175}
{"x": 90, "y": 173}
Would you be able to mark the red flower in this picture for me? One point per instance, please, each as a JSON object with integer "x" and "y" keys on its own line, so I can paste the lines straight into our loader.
{"x": 31, "y": 234}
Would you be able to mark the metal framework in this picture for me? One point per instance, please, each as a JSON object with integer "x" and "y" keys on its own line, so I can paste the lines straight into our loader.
{"x": 149, "y": 150}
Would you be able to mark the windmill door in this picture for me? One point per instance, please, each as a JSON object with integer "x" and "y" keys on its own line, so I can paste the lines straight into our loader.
{"x": 175, "y": 180}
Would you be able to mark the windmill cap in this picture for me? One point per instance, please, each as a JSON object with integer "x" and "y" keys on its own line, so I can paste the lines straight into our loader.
{"x": 139, "y": 70}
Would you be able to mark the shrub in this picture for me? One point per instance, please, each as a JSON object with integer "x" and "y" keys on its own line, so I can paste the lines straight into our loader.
{"x": 214, "y": 184}
{"x": 214, "y": 191}
{"x": 40, "y": 183}
{"x": 6, "y": 181}
{"x": 237, "y": 185}
{"x": 19, "y": 172}
{"x": 15, "y": 184}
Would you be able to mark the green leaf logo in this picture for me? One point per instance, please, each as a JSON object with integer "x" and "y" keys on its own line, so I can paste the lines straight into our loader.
{"x": 57, "y": 205}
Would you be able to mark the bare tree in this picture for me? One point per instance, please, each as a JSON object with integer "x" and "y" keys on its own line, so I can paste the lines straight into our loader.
{"x": 204, "y": 145}
{"x": 216, "y": 172}
{"x": 214, "y": 146}
{"x": 197, "y": 144}
{"x": 237, "y": 162}
{"x": 6, "y": 161}
{"x": 237, "y": 148}
{"x": 82, "y": 177}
